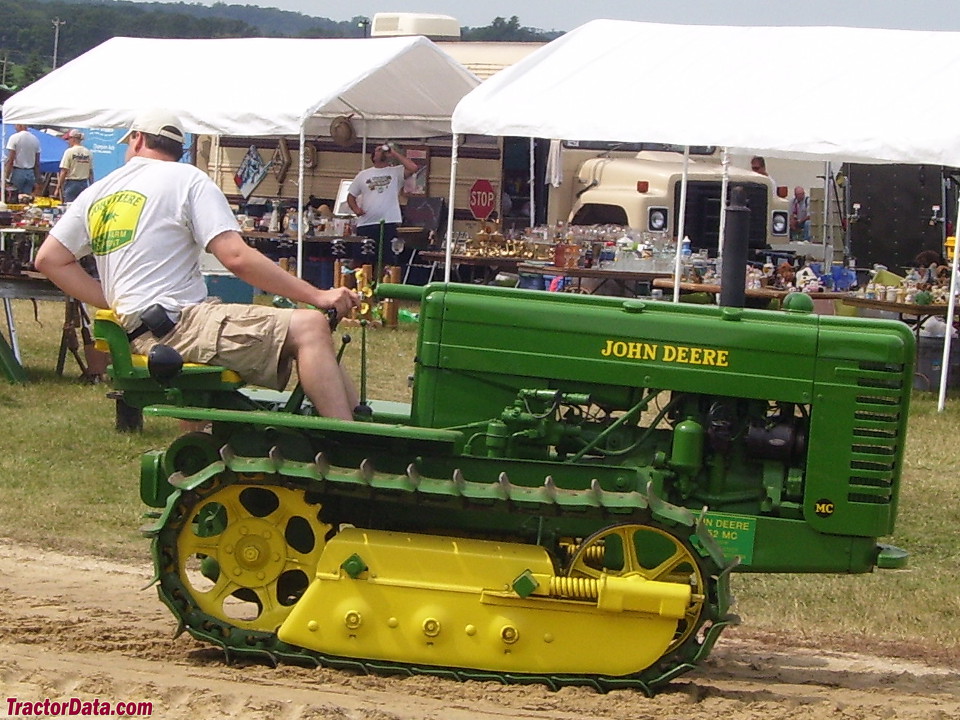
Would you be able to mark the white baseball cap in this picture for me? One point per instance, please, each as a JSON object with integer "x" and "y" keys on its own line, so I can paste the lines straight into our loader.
{"x": 155, "y": 122}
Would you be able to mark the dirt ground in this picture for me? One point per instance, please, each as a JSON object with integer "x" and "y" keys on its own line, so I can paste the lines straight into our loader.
{"x": 77, "y": 627}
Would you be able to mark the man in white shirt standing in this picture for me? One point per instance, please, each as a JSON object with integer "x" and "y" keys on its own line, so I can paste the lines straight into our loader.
{"x": 22, "y": 169}
{"x": 146, "y": 224}
{"x": 374, "y": 195}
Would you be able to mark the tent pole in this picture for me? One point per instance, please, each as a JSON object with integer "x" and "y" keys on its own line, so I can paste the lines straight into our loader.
{"x": 827, "y": 174}
{"x": 450, "y": 207}
{"x": 827, "y": 233}
{"x": 533, "y": 175}
{"x": 724, "y": 183}
{"x": 216, "y": 159}
{"x": 300, "y": 203}
{"x": 948, "y": 335}
{"x": 680, "y": 224}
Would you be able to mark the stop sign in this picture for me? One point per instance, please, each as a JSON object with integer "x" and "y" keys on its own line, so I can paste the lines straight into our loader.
{"x": 482, "y": 199}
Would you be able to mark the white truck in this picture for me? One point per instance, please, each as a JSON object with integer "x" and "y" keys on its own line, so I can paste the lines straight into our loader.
{"x": 639, "y": 185}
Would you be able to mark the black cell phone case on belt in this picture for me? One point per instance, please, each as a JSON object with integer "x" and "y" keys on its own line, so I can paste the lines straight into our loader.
{"x": 157, "y": 320}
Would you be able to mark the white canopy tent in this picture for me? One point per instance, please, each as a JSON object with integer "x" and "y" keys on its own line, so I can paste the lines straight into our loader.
{"x": 403, "y": 87}
{"x": 813, "y": 93}
{"x": 810, "y": 93}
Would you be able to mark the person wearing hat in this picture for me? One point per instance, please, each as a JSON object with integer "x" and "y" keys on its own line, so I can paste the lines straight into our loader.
{"x": 76, "y": 168}
{"x": 374, "y": 195}
{"x": 22, "y": 168}
{"x": 146, "y": 224}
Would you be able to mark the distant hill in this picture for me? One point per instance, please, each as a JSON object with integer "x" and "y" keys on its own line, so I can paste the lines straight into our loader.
{"x": 265, "y": 20}
{"x": 27, "y": 34}
{"x": 272, "y": 21}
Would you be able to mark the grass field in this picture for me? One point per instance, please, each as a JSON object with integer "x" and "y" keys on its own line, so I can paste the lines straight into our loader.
{"x": 68, "y": 482}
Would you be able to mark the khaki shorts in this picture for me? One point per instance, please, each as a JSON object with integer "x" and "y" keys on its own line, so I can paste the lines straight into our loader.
{"x": 244, "y": 338}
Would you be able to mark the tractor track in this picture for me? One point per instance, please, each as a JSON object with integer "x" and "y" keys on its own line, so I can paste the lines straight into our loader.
{"x": 73, "y": 626}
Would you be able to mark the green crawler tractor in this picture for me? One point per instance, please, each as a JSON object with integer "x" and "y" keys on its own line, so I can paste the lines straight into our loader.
{"x": 563, "y": 500}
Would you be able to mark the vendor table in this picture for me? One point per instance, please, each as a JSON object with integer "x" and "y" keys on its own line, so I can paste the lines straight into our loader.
{"x": 268, "y": 243}
{"x": 763, "y": 293}
{"x": 903, "y": 310}
{"x": 7, "y": 233}
{"x": 276, "y": 246}
{"x": 754, "y": 294}
{"x": 628, "y": 281}
{"x": 31, "y": 286}
{"x": 488, "y": 266}
{"x": 253, "y": 235}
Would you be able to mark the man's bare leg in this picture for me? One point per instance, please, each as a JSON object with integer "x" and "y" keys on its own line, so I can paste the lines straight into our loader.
{"x": 310, "y": 341}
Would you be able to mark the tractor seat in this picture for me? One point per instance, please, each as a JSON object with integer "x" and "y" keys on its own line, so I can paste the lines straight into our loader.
{"x": 126, "y": 366}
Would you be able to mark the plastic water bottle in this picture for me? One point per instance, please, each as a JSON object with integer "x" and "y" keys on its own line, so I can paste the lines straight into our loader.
{"x": 685, "y": 250}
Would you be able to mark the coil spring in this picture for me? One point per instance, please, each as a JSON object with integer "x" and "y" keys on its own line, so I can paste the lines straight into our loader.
{"x": 574, "y": 588}
{"x": 592, "y": 555}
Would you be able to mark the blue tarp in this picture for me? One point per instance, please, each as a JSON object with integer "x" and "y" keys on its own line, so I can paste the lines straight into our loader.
{"x": 51, "y": 150}
{"x": 104, "y": 145}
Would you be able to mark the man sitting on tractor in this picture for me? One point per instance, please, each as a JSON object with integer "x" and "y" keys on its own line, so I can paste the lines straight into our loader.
{"x": 146, "y": 224}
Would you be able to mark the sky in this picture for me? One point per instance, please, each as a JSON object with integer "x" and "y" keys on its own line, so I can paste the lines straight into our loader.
{"x": 568, "y": 14}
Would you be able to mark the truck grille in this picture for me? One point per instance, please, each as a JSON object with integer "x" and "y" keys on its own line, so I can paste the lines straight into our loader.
{"x": 702, "y": 217}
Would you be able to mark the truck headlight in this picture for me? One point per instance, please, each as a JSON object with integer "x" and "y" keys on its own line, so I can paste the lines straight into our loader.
{"x": 657, "y": 219}
{"x": 779, "y": 223}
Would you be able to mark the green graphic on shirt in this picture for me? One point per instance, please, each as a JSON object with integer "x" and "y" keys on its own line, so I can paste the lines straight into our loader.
{"x": 379, "y": 183}
{"x": 113, "y": 221}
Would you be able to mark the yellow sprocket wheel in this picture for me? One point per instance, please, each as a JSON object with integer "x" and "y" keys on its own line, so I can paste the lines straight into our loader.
{"x": 650, "y": 552}
{"x": 249, "y": 552}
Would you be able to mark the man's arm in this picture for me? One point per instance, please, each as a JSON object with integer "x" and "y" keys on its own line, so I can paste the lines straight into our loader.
{"x": 354, "y": 205}
{"x": 59, "y": 264}
{"x": 61, "y": 178}
{"x": 257, "y": 269}
{"x": 8, "y": 167}
{"x": 409, "y": 166}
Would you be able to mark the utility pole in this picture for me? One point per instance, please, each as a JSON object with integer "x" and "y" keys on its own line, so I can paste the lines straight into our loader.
{"x": 56, "y": 38}
{"x": 3, "y": 78}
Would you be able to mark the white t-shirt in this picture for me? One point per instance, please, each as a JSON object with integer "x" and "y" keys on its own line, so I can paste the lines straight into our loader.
{"x": 378, "y": 192}
{"x": 26, "y": 146}
{"x": 146, "y": 224}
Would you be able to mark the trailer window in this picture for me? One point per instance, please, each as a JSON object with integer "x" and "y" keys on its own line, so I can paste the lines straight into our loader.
{"x": 597, "y": 214}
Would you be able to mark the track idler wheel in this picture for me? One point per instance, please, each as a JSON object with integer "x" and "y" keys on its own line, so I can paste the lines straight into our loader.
{"x": 247, "y": 552}
{"x": 650, "y": 552}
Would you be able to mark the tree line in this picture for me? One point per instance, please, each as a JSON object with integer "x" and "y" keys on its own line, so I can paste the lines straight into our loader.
{"x": 31, "y": 30}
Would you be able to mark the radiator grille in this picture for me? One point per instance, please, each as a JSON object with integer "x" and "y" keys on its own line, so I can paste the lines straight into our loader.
{"x": 875, "y": 442}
